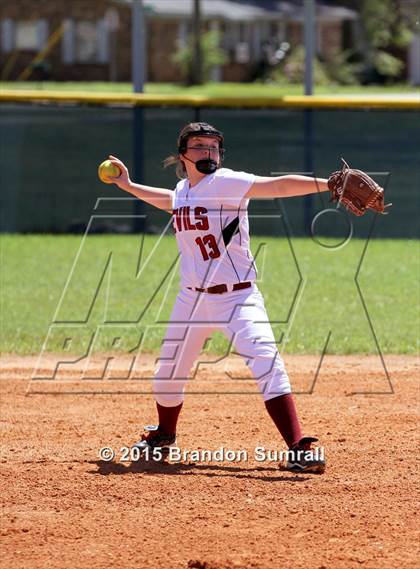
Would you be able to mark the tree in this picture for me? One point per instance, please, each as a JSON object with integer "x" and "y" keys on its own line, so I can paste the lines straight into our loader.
{"x": 387, "y": 27}
{"x": 211, "y": 55}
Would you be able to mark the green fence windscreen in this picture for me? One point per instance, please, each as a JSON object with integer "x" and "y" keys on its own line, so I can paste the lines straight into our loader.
{"x": 50, "y": 154}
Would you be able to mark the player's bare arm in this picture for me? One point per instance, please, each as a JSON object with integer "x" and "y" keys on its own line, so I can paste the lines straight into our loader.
{"x": 286, "y": 186}
{"x": 158, "y": 197}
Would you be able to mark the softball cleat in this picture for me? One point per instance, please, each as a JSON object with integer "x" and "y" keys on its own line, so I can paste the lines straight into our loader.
{"x": 155, "y": 439}
{"x": 302, "y": 458}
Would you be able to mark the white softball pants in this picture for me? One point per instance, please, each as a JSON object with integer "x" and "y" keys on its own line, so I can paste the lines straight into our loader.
{"x": 242, "y": 317}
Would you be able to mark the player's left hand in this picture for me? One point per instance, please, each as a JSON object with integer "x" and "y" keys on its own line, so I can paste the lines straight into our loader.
{"x": 356, "y": 191}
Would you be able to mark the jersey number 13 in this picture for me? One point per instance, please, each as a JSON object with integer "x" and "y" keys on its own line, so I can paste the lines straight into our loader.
{"x": 208, "y": 247}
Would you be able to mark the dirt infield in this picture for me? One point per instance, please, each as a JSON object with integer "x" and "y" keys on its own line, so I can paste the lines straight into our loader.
{"x": 64, "y": 507}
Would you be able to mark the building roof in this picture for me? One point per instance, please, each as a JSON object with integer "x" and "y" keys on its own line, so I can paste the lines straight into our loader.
{"x": 294, "y": 9}
{"x": 243, "y": 10}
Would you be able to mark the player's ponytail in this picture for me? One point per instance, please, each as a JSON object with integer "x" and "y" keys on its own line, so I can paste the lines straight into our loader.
{"x": 173, "y": 160}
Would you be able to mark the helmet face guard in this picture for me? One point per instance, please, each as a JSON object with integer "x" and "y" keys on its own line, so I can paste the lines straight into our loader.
{"x": 205, "y": 165}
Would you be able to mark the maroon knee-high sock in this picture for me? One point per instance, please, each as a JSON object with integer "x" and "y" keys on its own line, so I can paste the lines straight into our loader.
{"x": 168, "y": 418}
{"x": 282, "y": 410}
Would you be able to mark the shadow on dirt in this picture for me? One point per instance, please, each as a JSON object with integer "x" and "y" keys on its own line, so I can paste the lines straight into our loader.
{"x": 179, "y": 468}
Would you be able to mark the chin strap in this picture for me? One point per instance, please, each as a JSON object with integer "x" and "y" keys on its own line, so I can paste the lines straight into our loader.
{"x": 212, "y": 164}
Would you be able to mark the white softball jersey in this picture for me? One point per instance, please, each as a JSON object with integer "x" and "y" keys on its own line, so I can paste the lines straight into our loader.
{"x": 212, "y": 229}
{"x": 211, "y": 226}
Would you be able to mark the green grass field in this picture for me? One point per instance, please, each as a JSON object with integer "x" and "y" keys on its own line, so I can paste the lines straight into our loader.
{"x": 307, "y": 303}
{"x": 213, "y": 89}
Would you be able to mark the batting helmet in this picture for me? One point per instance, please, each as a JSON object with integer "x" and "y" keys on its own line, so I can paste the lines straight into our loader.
{"x": 198, "y": 129}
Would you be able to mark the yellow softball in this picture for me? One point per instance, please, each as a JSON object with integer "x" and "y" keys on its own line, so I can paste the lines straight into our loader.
{"x": 106, "y": 169}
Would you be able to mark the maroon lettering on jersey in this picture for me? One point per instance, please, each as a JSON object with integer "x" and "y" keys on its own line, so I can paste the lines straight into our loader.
{"x": 182, "y": 219}
{"x": 208, "y": 247}
{"x": 177, "y": 220}
{"x": 188, "y": 224}
{"x": 201, "y": 221}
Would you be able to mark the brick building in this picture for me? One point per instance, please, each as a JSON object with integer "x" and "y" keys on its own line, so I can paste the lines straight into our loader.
{"x": 90, "y": 40}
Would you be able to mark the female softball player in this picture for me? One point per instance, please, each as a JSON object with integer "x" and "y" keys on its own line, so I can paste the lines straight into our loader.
{"x": 218, "y": 290}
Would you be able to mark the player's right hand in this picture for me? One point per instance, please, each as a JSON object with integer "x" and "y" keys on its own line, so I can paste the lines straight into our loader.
{"x": 123, "y": 180}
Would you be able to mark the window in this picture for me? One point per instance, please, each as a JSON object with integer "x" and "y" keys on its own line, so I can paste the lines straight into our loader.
{"x": 86, "y": 42}
{"x": 23, "y": 35}
{"x": 26, "y": 36}
{"x": 7, "y": 35}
